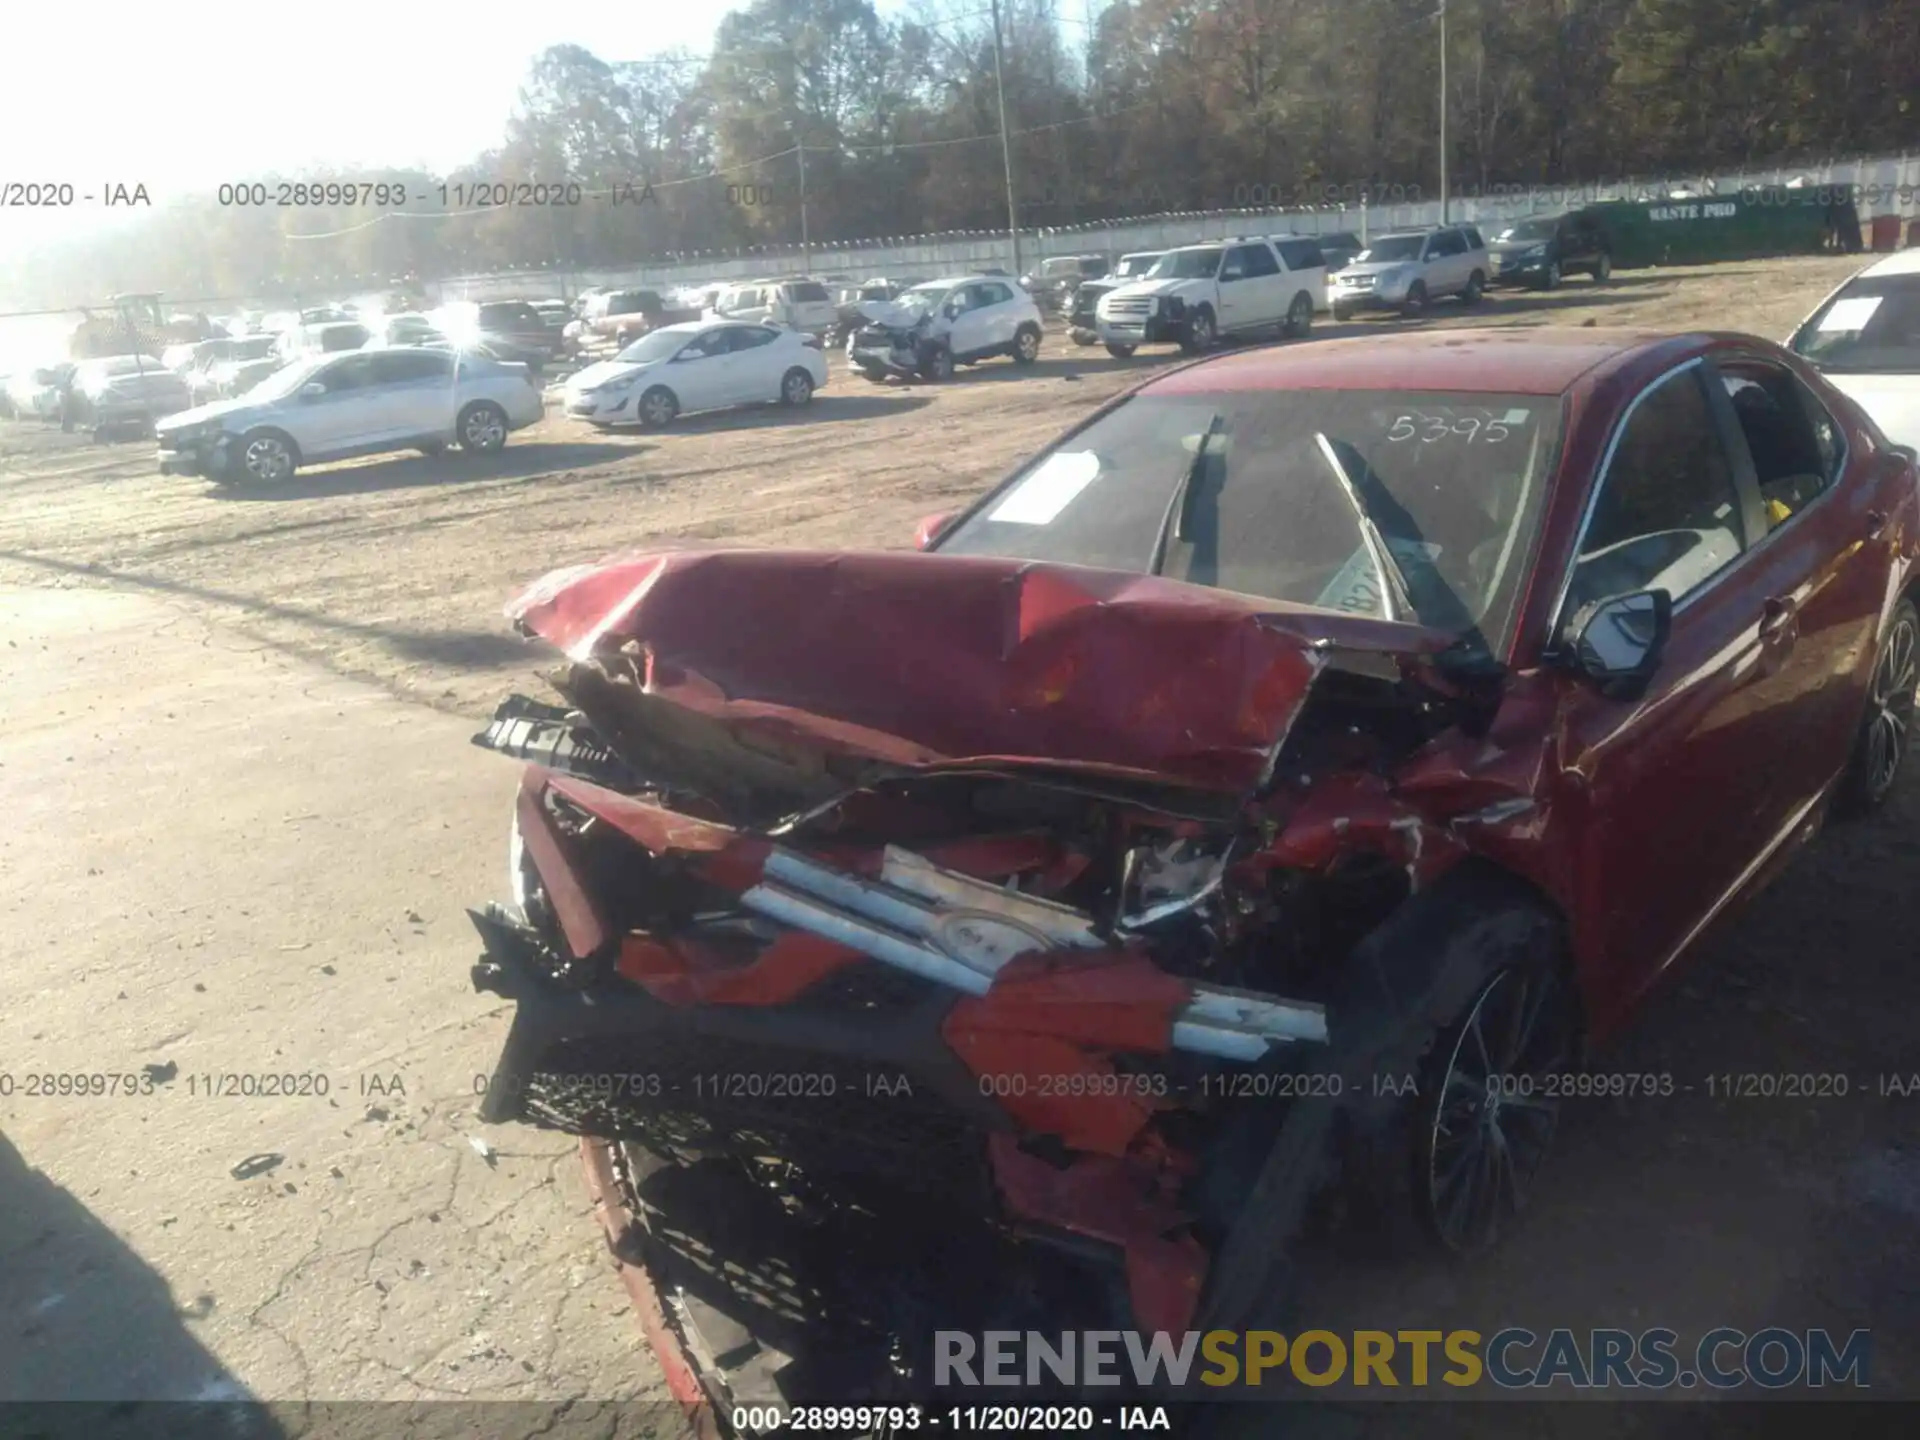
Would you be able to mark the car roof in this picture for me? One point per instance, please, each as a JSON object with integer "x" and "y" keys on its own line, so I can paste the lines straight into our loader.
{"x": 951, "y": 280}
{"x": 1901, "y": 262}
{"x": 1543, "y": 360}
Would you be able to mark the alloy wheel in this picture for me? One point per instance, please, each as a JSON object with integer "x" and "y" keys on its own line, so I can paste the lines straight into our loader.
{"x": 1891, "y": 707}
{"x": 1494, "y": 1117}
{"x": 484, "y": 430}
{"x": 267, "y": 458}
{"x": 798, "y": 390}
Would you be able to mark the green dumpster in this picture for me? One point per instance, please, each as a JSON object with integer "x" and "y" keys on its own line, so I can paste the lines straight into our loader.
{"x": 1758, "y": 223}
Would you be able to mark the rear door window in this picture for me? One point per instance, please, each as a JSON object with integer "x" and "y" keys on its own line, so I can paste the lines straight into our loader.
{"x": 1795, "y": 446}
{"x": 750, "y": 337}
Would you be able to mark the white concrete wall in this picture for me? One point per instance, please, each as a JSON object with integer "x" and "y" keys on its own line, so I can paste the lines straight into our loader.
{"x": 1887, "y": 184}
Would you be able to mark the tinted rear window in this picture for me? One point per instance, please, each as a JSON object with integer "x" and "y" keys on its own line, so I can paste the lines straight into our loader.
{"x": 808, "y": 291}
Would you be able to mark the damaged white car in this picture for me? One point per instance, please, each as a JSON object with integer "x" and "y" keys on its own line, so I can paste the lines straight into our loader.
{"x": 933, "y": 327}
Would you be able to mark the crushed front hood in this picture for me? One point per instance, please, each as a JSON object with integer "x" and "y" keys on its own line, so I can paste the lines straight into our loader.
{"x": 890, "y": 313}
{"x": 914, "y": 660}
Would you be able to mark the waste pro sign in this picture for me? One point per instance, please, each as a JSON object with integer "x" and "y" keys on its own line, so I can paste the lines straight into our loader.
{"x": 1700, "y": 231}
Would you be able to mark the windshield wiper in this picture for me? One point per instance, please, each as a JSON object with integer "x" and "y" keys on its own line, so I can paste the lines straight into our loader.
{"x": 1174, "y": 524}
{"x": 1393, "y": 580}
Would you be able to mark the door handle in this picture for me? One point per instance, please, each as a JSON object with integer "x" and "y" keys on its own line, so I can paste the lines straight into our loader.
{"x": 1877, "y": 523}
{"x": 1777, "y": 616}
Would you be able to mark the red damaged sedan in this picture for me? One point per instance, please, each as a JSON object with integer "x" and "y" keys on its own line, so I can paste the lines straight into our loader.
{"x": 1017, "y": 930}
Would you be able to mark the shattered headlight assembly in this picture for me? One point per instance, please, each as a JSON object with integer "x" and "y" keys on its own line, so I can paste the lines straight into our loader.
{"x": 1167, "y": 878}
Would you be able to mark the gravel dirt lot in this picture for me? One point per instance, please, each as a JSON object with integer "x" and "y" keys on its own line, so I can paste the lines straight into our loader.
{"x": 236, "y": 726}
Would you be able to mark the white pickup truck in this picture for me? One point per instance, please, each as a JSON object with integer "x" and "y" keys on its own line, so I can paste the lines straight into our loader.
{"x": 1197, "y": 293}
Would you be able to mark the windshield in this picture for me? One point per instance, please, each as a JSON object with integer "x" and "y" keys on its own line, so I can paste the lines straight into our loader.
{"x": 1186, "y": 265}
{"x": 1454, "y": 481}
{"x": 1392, "y": 247}
{"x": 285, "y": 381}
{"x": 1135, "y": 265}
{"x": 1871, "y": 327}
{"x": 1541, "y": 229}
{"x": 923, "y": 298}
{"x": 657, "y": 346}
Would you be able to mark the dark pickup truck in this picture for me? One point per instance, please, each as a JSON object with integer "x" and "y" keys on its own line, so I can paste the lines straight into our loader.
{"x": 623, "y": 316}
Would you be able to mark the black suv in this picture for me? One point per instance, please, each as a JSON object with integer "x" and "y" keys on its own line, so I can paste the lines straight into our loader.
{"x": 1339, "y": 246}
{"x": 1542, "y": 249}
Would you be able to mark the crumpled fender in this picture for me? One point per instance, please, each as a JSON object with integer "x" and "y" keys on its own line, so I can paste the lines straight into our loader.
{"x": 1111, "y": 1199}
{"x": 1036, "y": 1032}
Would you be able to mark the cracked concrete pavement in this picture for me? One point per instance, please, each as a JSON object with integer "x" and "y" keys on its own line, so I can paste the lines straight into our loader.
{"x": 247, "y": 872}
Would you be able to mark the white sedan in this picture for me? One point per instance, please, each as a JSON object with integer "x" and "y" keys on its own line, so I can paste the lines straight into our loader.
{"x": 362, "y": 402}
{"x": 699, "y": 365}
{"x": 1865, "y": 338}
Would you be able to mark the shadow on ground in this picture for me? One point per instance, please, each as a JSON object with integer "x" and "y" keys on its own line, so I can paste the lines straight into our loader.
{"x": 827, "y": 405}
{"x": 526, "y": 461}
{"x": 462, "y": 649}
{"x": 86, "y": 1319}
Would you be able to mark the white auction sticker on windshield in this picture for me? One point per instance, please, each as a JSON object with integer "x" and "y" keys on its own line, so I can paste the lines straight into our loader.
{"x": 1515, "y": 417}
{"x": 1850, "y": 314}
{"x": 1039, "y": 498}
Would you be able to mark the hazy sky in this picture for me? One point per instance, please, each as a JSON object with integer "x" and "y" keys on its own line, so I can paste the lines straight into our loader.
{"x": 183, "y": 97}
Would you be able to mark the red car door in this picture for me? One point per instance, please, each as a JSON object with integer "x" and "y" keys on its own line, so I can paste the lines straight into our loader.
{"x": 1670, "y": 795}
{"x": 1826, "y": 564}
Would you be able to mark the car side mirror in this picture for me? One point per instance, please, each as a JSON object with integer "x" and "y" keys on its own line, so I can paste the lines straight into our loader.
{"x": 929, "y": 530}
{"x": 1906, "y": 453}
{"x": 1618, "y": 642}
{"x": 312, "y": 390}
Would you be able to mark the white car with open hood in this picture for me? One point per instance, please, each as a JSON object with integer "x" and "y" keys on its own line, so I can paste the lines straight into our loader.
{"x": 697, "y": 365}
{"x": 926, "y": 331}
{"x": 363, "y": 402}
{"x": 1865, "y": 338}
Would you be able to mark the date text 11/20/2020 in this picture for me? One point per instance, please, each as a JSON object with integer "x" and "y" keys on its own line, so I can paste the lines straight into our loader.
{"x": 959, "y": 1419}
{"x": 445, "y": 195}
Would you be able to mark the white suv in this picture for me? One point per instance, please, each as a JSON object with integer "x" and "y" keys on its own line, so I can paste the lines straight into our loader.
{"x": 803, "y": 305}
{"x": 1197, "y": 293}
{"x": 931, "y": 328}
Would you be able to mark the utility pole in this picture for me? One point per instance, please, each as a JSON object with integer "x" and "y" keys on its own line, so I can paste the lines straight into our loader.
{"x": 806, "y": 247}
{"x": 1006, "y": 141}
{"x": 1443, "y": 112}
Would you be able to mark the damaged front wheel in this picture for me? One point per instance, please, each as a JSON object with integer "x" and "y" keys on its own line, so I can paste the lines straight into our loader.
{"x": 1494, "y": 1108}
{"x": 1446, "y": 1153}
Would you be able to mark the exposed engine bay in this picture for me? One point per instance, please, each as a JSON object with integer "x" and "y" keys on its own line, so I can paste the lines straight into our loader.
{"x": 997, "y": 941}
